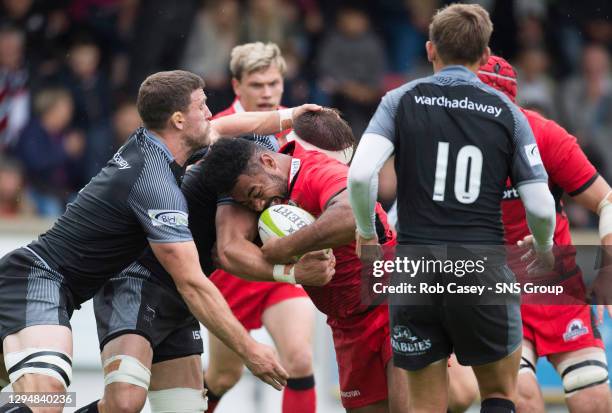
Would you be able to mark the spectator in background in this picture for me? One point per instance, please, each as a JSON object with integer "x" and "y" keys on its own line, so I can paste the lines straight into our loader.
{"x": 45, "y": 25}
{"x": 351, "y": 67}
{"x": 405, "y": 24}
{"x": 125, "y": 121}
{"x": 91, "y": 94}
{"x": 537, "y": 89}
{"x": 159, "y": 38}
{"x": 52, "y": 155}
{"x": 271, "y": 21}
{"x": 110, "y": 22}
{"x": 215, "y": 32}
{"x": 14, "y": 96}
{"x": 13, "y": 199}
{"x": 587, "y": 107}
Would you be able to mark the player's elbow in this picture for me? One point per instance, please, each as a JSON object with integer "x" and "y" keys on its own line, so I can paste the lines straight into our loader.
{"x": 539, "y": 203}
{"x": 358, "y": 179}
{"x": 224, "y": 259}
{"x": 543, "y": 211}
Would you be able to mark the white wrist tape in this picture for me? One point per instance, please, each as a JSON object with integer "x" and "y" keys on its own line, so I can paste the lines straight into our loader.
{"x": 284, "y": 273}
{"x": 283, "y": 115}
{"x": 542, "y": 247}
{"x": 605, "y": 216}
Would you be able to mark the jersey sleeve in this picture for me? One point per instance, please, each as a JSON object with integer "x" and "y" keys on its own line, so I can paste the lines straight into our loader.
{"x": 325, "y": 182}
{"x": 383, "y": 121}
{"x": 527, "y": 164}
{"x": 159, "y": 204}
{"x": 565, "y": 162}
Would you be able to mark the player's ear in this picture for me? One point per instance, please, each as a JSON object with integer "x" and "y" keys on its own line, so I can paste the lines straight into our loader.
{"x": 431, "y": 51}
{"x": 236, "y": 87}
{"x": 177, "y": 119}
{"x": 267, "y": 160}
{"x": 485, "y": 56}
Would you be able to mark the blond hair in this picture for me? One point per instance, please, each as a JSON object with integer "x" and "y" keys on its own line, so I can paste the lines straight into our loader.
{"x": 252, "y": 57}
{"x": 461, "y": 33}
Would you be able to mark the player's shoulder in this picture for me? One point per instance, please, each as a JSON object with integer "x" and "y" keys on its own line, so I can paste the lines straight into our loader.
{"x": 397, "y": 93}
{"x": 536, "y": 120}
{"x": 154, "y": 151}
{"x": 546, "y": 131}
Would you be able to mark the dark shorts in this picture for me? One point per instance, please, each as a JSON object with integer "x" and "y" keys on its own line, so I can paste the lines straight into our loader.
{"x": 135, "y": 302}
{"x": 477, "y": 334}
{"x": 31, "y": 293}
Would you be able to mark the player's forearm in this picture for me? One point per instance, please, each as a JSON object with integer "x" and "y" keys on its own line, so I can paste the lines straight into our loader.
{"x": 335, "y": 227}
{"x": 371, "y": 154}
{"x": 245, "y": 260}
{"x": 201, "y": 296}
{"x": 540, "y": 211}
{"x": 207, "y": 304}
{"x": 262, "y": 123}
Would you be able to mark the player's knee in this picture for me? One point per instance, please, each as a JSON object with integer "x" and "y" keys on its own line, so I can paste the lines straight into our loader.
{"x": 461, "y": 397}
{"x": 299, "y": 362}
{"x": 529, "y": 401}
{"x": 594, "y": 399}
{"x": 123, "y": 398}
{"x": 221, "y": 381}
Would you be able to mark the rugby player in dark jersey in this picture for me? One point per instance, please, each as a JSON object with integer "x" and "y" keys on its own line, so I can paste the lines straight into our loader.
{"x": 455, "y": 141}
{"x": 133, "y": 202}
{"x": 159, "y": 314}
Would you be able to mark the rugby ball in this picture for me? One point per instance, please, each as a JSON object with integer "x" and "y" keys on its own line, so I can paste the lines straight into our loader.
{"x": 281, "y": 220}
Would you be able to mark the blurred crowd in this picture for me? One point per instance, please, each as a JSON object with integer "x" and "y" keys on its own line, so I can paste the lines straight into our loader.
{"x": 70, "y": 71}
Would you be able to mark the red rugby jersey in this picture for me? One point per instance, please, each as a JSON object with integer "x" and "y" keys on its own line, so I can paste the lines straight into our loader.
{"x": 313, "y": 182}
{"x": 568, "y": 169}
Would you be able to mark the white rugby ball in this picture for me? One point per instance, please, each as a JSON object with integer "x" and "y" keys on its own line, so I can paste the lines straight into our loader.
{"x": 280, "y": 220}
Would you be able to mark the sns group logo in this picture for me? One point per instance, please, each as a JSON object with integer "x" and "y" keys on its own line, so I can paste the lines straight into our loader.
{"x": 405, "y": 342}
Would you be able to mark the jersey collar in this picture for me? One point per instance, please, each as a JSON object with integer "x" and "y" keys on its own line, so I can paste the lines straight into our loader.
{"x": 238, "y": 108}
{"x": 160, "y": 143}
{"x": 292, "y": 148}
{"x": 457, "y": 71}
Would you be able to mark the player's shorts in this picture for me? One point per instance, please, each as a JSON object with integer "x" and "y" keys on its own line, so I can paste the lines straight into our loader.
{"x": 249, "y": 299}
{"x": 31, "y": 293}
{"x": 557, "y": 329}
{"x": 478, "y": 334}
{"x": 362, "y": 351}
{"x": 135, "y": 302}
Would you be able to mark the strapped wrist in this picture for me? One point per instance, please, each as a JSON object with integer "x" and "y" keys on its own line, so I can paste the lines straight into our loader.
{"x": 284, "y": 273}
{"x": 285, "y": 116}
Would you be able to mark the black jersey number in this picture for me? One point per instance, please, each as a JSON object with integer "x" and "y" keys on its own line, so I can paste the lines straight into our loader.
{"x": 468, "y": 170}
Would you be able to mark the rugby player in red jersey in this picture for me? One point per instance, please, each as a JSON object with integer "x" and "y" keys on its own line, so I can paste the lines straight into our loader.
{"x": 566, "y": 335}
{"x": 314, "y": 181}
{"x": 257, "y": 78}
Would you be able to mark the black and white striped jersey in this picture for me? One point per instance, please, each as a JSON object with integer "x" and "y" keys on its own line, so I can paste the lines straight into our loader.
{"x": 135, "y": 199}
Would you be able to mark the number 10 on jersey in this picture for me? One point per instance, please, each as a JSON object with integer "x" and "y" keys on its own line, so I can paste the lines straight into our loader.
{"x": 468, "y": 171}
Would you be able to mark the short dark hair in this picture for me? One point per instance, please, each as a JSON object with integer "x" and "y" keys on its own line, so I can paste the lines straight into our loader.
{"x": 226, "y": 160}
{"x": 324, "y": 129}
{"x": 163, "y": 93}
{"x": 461, "y": 33}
